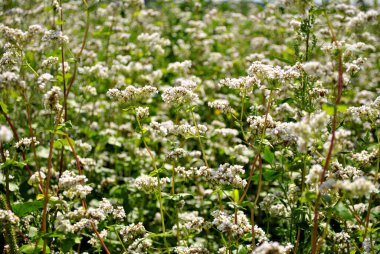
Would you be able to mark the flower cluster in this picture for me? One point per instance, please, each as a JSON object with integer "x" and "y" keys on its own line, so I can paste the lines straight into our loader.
{"x": 189, "y": 126}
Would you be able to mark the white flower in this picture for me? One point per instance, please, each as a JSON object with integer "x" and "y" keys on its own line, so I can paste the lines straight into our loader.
{"x": 73, "y": 185}
{"x": 272, "y": 247}
{"x": 359, "y": 187}
{"x": 150, "y": 184}
{"x": 179, "y": 95}
{"x": 25, "y": 143}
{"x": 37, "y": 178}
{"x": 131, "y": 93}
{"x": 51, "y": 99}
{"x": 222, "y": 105}
{"x": 180, "y": 66}
{"x": 55, "y": 35}
{"x": 142, "y": 112}
{"x": 229, "y": 175}
{"x": 6, "y": 134}
{"x": 244, "y": 84}
{"x": 132, "y": 231}
{"x": 7, "y": 216}
{"x": 314, "y": 174}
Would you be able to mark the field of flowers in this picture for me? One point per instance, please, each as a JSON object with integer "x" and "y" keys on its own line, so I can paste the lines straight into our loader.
{"x": 189, "y": 126}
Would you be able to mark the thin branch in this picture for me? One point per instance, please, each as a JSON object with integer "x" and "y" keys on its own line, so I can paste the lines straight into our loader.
{"x": 332, "y": 140}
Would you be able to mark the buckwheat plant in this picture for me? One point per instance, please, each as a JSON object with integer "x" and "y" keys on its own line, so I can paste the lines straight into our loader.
{"x": 189, "y": 126}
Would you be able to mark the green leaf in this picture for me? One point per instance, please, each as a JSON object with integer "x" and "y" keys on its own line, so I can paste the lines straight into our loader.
{"x": 247, "y": 204}
{"x": 342, "y": 211}
{"x": 156, "y": 171}
{"x": 40, "y": 197}
{"x": 33, "y": 249}
{"x": 59, "y": 143}
{"x": 328, "y": 108}
{"x": 58, "y": 132}
{"x": 71, "y": 60}
{"x": 129, "y": 108}
{"x": 22, "y": 209}
{"x": 67, "y": 244}
{"x": 266, "y": 142}
{"x": 235, "y": 195}
{"x": 4, "y": 107}
{"x": 66, "y": 125}
{"x": 342, "y": 108}
{"x": 270, "y": 174}
{"x": 59, "y": 78}
{"x": 242, "y": 249}
{"x": 12, "y": 164}
{"x": 59, "y": 22}
{"x": 308, "y": 197}
{"x": 176, "y": 197}
{"x": 268, "y": 155}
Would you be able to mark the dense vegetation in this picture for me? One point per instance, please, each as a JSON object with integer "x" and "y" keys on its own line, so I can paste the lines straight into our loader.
{"x": 189, "y": 127}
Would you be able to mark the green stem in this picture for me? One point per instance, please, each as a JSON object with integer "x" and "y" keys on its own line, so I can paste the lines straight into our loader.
{"x": 159, "y": 195}
{"x": 121, "y": 241}
{"x": 9, "y": 232}
{"x": 199, "y": 138}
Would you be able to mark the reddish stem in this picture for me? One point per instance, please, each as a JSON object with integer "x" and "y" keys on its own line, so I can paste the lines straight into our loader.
{"x": 314, "y": 240}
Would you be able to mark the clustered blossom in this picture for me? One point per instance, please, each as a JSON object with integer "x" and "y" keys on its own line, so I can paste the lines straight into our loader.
{"x": 137, "y": 238}
{"x": 314, "y": 174}
{"x": 279, "y": 210}
{"x": 43, "y": 79}
{"x": 222, "y": 105}
{"x": 132, "y": 231}
{"x": 179, "y": 95}
{"x": 6, "y": 134}
{"x": 49, "y": 61}
{"x": 226, "y": 174}
{"x": 180, "y": 66}
{"x": 269, "y": 72}
{"x": 73, "y": 185}
{"x": 346, "y": 173}
{"x": 359, "y": 187}
{"x": 173, "y": 107}
{"x": 86, "y": 147}
{"x": 185, "y": 129}
{"x": 273, "y": 247}
{"x": 244, "y": 85}
{"x": 142, "y": 112}
{"x": 25, "y": 143}
{"x": 51, "y": 99}
{"x": 177, "y": 153}
{"x": 131, "y": 93}
{"x": 87, "y": 164}
{"x": 94, "y": 240}
{"x": 154, "y": 41}
{"x": 37, "y": 178}
{"x": 100, "y": 213}
{"x": 89, "y": 90}
{"x": 150, "y": 184}
{"x": 229, "y": 174}
{"x": 81, "y": 218}
{"x": 55, "y": 36}
{"x": 364, "y": 157}
{"x": 366, "y": 114}
{"x": 190, "y": 250}
{"x": 7, "y": 216}
{"x": 226, "y": 224}
{"x": 305, "y": 133}
{"x": 259, "y": 123}
{"x": 189, "y": 221}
